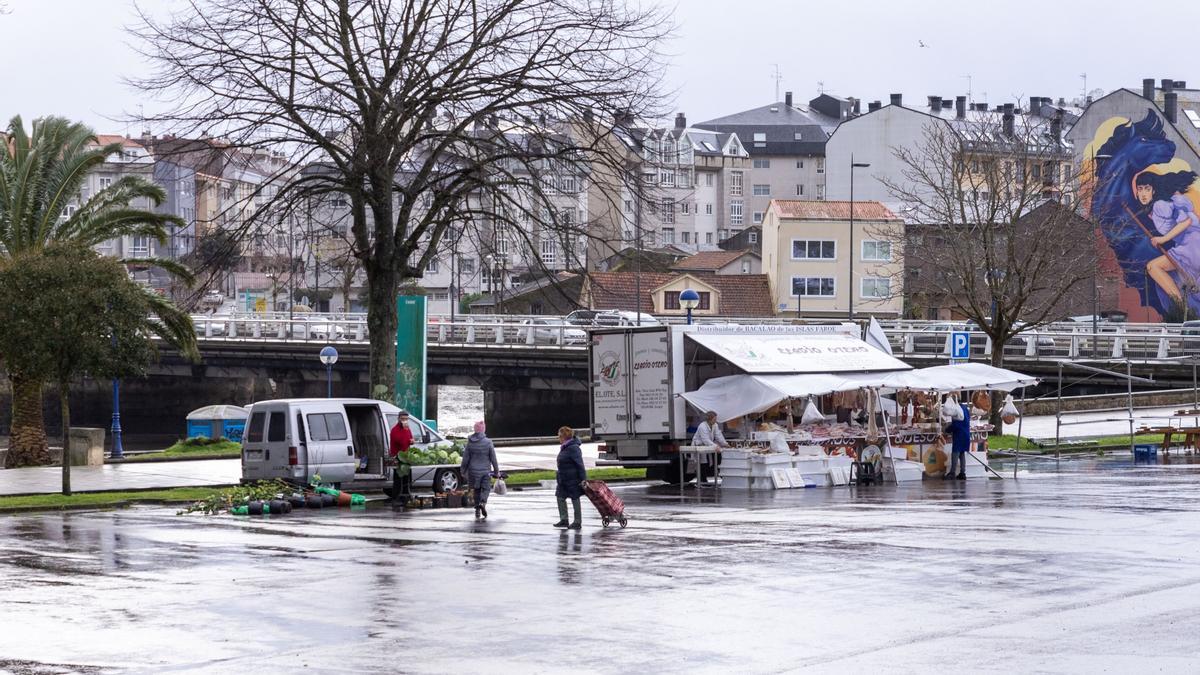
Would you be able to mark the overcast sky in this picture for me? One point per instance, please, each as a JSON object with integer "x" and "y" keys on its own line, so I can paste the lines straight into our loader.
{"x": 67, "y": 57}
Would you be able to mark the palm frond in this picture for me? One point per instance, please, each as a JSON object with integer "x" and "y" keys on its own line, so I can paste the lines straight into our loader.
{"x": 172, "y": 267}
{"x": 174, "y": 326}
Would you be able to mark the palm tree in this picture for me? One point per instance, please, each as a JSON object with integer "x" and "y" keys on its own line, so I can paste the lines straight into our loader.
{"x": 40, "y": 175}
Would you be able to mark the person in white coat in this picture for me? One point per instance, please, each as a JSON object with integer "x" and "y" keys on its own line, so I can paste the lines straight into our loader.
{"x": 708, "y": 433}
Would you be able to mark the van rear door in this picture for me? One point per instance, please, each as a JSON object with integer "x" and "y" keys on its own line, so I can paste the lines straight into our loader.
{"x": 267, "y": 448}
{"x": 330, "y": 449}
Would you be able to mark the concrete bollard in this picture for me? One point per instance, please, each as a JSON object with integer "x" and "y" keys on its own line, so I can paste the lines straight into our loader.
{"x": 257, "y": 329}
{"x": 499, "y": 333}
{"x": 87, "y": 446}
{"x": 530, "y": 336}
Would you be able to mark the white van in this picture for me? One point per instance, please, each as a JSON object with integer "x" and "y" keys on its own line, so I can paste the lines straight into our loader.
{"x": 298, "y": 438}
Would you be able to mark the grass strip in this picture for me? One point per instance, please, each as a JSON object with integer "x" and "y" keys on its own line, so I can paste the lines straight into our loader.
{"x": 214, "y": 450}
{"x": 609, "y": 473}
{"x": 103, "y": 499}
{"x": 1009, "y": 442}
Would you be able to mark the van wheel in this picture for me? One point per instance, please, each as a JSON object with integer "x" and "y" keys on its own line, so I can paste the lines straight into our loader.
{"x": 446, "y": 480}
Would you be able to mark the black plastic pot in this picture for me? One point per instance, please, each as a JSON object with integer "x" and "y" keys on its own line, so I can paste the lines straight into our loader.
{"x": 313, "y": 501}
{"x": 280, "y": 506}
{"x": 255, "y": 508}
{"x": 328, "y": 500}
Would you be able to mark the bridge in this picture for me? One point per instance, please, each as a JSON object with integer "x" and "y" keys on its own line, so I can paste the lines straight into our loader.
{"x": 533, "y": 370}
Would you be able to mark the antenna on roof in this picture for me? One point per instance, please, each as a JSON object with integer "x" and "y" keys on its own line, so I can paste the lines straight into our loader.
{"x": 969, "y": 99}
{"x": 1083, "y": 76}
{"x": 778, "y": 77}
{"x": 820, "y": 87}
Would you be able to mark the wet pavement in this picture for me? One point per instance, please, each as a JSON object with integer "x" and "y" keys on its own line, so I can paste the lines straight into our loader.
{"x": 1093, "y": 568}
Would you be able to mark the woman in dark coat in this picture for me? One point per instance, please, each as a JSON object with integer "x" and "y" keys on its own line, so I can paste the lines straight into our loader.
{"x": 479, "y": 465}
{"x": 571, "y": 473}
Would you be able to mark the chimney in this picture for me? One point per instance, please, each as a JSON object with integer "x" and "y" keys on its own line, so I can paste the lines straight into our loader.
{"x": 935, "y": 102}
{"x": 1171, "y": 105}
{"x": 896, "y": 99}
{"x": 623, "y": 118}
{"x": 1148, "y": 88}
{"x": 960, "y": 107}
{"x": 787, "y": 99}
{"x": 588, "y": 116}
{"x": 873, "y": 106}
{"x": 680, "y": 121}
{"x": 1008, "y": 121}
{"x": 1167, "y": 84}
{"x": 1056, "y": 126}
{"x": 1008, "y": 108}
{"x": 856, "y": 106}
{"x": 947, "y": 104}
{"x": 1180, "y": 84}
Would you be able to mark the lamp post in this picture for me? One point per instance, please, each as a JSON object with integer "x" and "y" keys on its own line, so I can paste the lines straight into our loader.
{"x": 689, "y": 300}
{"x": 853, "y": 165}
{"x": 329, "y": 356}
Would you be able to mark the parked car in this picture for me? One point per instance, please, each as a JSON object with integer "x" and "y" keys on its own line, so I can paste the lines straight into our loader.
{"x": 316, "y": 328}
{"x": 622, "y": 318}
{"x": 216, "y": 325}
{"x": 582, "y": 317}
{"x": 296, "y": 439}
{"x": 552, "y": 331}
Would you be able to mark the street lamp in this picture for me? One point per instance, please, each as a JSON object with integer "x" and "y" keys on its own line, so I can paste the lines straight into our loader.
{"x": 853, "y": 165}
{"x": 329, "y": 357}
{"x": 689, "y": 300}
{"x": 118, "y": 450}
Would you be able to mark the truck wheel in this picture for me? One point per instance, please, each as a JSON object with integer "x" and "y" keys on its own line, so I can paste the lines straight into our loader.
{"x": 446, "y": 480}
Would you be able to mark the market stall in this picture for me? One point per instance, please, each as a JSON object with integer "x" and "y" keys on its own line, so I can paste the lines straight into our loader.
{"x": 822, "y": 424}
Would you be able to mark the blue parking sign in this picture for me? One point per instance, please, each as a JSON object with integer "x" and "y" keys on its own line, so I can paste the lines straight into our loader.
{"x": 960, "y": 345}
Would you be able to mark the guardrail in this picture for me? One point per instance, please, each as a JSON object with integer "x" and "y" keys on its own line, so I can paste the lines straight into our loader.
{"x": 908, "y": 338}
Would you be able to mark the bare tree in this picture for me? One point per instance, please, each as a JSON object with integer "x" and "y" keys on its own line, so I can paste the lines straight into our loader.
{"x": 993, "y": 229}
{"x": 421, "y": 113}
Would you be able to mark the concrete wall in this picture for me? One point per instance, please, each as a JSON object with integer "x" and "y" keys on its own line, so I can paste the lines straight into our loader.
{"x": 872, "y": 138}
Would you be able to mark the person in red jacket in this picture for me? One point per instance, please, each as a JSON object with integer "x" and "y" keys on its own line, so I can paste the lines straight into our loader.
{"x": 401, "y": 441}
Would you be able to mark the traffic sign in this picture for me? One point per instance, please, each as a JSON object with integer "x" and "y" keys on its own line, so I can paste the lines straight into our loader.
{"x": 960, "y": 345}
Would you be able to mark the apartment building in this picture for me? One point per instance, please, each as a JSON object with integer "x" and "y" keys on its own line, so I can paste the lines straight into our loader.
{"x": 786, "y": 145}
{"x": 132, "y": 159}
{"x": 820, "y": 269}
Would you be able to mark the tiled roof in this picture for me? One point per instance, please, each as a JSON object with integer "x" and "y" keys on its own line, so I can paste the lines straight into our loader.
{"x": 106, "y": 139}
{"x": 831, "y": 210}
{"x": 741, "y": 294}
{"x": 707, "y": 261}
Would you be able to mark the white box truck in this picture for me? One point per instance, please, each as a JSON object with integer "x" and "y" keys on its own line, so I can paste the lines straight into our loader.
{"x": 637, "y": 376}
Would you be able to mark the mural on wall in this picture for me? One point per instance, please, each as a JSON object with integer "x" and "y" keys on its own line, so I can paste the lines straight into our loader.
{"x": 1143, "y": 199}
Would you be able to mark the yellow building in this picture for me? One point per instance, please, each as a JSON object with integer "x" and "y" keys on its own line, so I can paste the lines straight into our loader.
{"x": 818, "y": 269}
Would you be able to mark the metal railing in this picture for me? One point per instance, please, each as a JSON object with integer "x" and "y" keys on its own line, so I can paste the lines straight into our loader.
{"x": 907, "y": 338}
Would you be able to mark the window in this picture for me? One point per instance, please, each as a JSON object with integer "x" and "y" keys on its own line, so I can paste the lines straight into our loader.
{"x": 820, "y": 165}
{"x": 761, "y": 190}
{"x": 875, "y": 287}
{"x": 708, "y": 237}
{"x": 628, "y": 206}
{"x": 820, "y": 287}
{"x": 758, "y": 215}
{"x": 820, "y": 192}
{"x": 736, "y": 215}
{"x": 105, "y": 182}
{"x": 685, "y": 208}
{"x": 762, "y": 163}
{"x": 140, "y": 247}
{"x": 799, "y": 190}
{"x": 666, "y": 177}
{"x": 257, "y": 422}
{"x": 735, "y": 183}
{"x": 548, "y": 251}
{"x": 671, "y": 300}
{"x": 753, "y": 237}
{"x": 326, "y": 427}
{"x": 432, "y": 267}
{"x": 683, "y": 178}
{"x": 668, "y": 210}
{"x": 466, "y": 265}
{"x": 760, "y": 139}
{"x": 814, "y": 249}
{"x": 687, "y": 237}
{"x": 708, "y": 209}
{"x": 69, "y": 210}
{"x": 668, "y": 235}
{"x": 799, "y": 164}
{"x": 746, "y": 267}
{"x": 567, "y": 183}
{"x": 797, "y": 136}
{"x": 722, "y": 234}
{"x": 708, "y": 180}
{"x": 880, "y": 251}
{"x": 338, "y": 202}
{"x": 277, "y": 428}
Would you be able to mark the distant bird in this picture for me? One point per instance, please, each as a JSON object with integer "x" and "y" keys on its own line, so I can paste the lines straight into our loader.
{"x": 922, "y": 43}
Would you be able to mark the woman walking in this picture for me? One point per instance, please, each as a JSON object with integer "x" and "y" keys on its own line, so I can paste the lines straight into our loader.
{"x": 479, "y": 465}
{"x": 571, "y": 474}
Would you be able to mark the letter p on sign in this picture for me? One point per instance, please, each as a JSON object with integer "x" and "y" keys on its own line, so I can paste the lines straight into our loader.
{"x": 960, "y": 346}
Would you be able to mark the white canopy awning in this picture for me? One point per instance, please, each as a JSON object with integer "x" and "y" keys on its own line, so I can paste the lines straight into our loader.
{"x": 798, "y": 353}
{"x": 737, "y": 395}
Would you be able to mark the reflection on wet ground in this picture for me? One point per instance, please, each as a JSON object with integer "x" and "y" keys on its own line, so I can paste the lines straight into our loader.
{"x": 1056, "y": 571}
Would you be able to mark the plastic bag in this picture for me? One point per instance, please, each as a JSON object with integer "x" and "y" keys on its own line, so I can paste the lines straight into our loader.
{"x": 1009, "y": 412}
{"x": 811, "y": 414}
{"x": 500, "y": 487}
{"x": 951, "y": 410}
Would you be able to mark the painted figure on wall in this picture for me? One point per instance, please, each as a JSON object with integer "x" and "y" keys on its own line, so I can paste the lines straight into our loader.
{"x": 1143, "y": 200}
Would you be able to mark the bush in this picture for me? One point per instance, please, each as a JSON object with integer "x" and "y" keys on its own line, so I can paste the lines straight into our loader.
{"x": 228, "y": 498}
{"x": 201, "y": 441}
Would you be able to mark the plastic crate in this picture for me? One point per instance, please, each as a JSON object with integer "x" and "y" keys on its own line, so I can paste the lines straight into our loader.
{"x": 1145, "y": 451}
